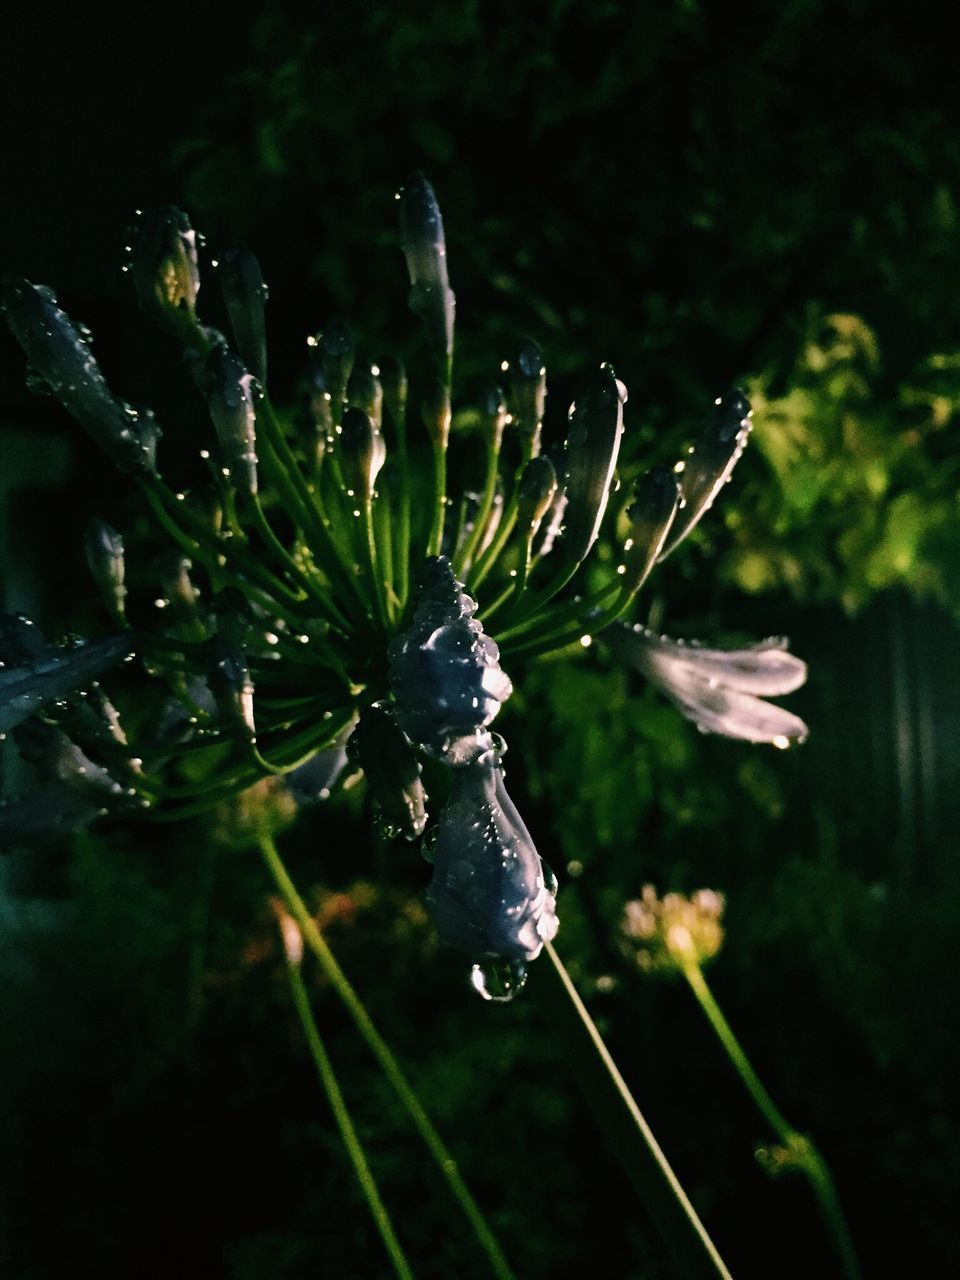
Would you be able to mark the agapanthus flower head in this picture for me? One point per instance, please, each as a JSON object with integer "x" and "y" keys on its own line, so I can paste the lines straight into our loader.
{"x": 669, "y": 933}
{"x": 323, "y": 585}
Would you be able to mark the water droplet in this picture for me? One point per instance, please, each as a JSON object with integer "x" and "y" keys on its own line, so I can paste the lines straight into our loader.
{"x": 429, "y": 842}
{"x": 498, "y": 979}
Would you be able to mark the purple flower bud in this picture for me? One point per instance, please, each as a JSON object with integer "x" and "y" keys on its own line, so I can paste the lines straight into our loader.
{"x": 245, "y": 294}
{"x": 231, "y": 392}
{"x": 493, "y": 413}
{"x": 60, "y": 356}
{"x": 489, "y": 893}
{"x": 232, "y": 688}
{"x": 421, "y": 234}
{"x": 529, "y": 382}
{"x": 444, "y": 672}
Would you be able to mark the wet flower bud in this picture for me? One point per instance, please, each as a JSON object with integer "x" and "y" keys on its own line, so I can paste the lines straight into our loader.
{"x": 717, "y": 688}
{"x": 362, "y": 453}
{"x": 421, "y": 234}
{"x": 365, "y": 392}
{"x": 444, "y": 672}
{"x": 435, "y": 407}
{"x": 104, "y": 550}
{"x": 54, "y": 673}
{"x": 489, "y": 894}
{"x": 651, "y": 513}
{"x": 337, "y": 351}
{"x": 163, "y": 263}
{"x": 670, "y": 933}
{"x": 709, "y": 462}
{"x": 392, "y": 770}
{"x": 230, "y": 392}
{"x": 529, "y": 381}
{"x": 593, "y": 443}
{"x": 493, "y": 413}
{"x": 232, "y": 687}
{"x": 311, "y": 783}
{"x": 60, "y": 356}
{"x": 538, "y": 486}
{"x": 52, "y": 753}
{"x": 393, "y": 380}
{"x": 245, "y": 294}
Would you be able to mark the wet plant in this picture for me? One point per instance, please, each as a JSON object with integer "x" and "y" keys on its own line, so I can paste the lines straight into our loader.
{"x": 330, "y": 604}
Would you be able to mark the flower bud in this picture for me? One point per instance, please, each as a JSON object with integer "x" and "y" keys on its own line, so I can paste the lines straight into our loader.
{"x": 164, "y": 266}
{"x": 336, "y": 355}
{"x": 63, "y": 360}
{"x": 489, "y": 893}
{"x": 55, "y": 673}
{"x": 229, "y": 389}
{"x": 538, "y": 486}
{"x": 362, "y": 453}
{"x": 232, "y": 687}
{"x": 392, "y": 770}
{"x": 245, "y": 294}
{"x": 421, "y": 234}
{"x": 493, "y": 413}
{"x": 365, "y": 392}
{"x": 393, "y": 380}
{"x": 104, "y": 549}
{"x": 529, "y": 382}
{"x": 444, "y": 672}
{"x": 709, "y": 462}
{"x": 651, "y": 513}
{"x": 435, "y": 407}
{"x": 593, "y": 442}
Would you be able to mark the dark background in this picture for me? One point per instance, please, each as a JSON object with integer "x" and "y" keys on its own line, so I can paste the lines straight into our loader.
{"x": 694, "y": 193}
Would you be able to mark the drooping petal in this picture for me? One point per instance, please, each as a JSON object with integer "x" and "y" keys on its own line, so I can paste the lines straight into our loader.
{"x": 311, "y": 783}
{"x": 709, "y": 462}
{"x": 489, "y": 893}
{"x": 717, "y": 688}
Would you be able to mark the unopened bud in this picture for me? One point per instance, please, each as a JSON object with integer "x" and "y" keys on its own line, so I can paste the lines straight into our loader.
{"x": 365, "y": 392}
{"x": 493, "y": 414}
{"x": 337, "y": 351}
{"x": 229, "y": 389}
{"x": 421, "y": 233}
{"x": 538, "y": 485}
{"x": 651, "y": 513}
{"x": 244, "y": 292}
{"x": 435, "y": 408}
{"x": 362, "y": 453}
{"x": 593, "y": 443}
{"x": 164, "y": 267}
{"x": 529, "y": 381}
{"x": 392, "y": 770}
{"x": 393, "y": 380}
{"x": 104, "y": 549}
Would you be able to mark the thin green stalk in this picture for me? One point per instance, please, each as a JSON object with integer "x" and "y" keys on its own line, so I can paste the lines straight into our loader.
{"x": 388, "y": 1063}
{"x": 467, "y": 552}
{"x": 800, "y": 1146}
{"x": 624, "y": 1126}
{"x": 435, "y": 541}
{"x": 378, "y": 588}
{"x": 348, "y": 1133}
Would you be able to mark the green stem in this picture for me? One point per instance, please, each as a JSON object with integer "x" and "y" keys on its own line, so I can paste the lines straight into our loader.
{"x": 388, "y": 1063}
{"x": 801, "y": 1147}
{"x": 435, "y": 541}
{"x": 624, "y": 1126}
{"x": 378, "y": 587}
{"x": 465, "y": 558}
{"x": 338, "y": 1106}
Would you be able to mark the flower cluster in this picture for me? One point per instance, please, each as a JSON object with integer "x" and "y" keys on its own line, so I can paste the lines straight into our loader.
{"x": 314, "y": 606}
{"x": 666, "y": 934}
